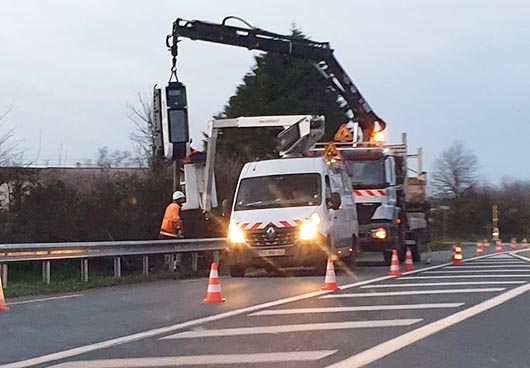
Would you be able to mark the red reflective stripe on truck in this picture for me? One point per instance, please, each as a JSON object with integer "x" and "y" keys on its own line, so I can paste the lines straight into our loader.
{"x": 255, "y": 226}
{"x": 285, "y": 224}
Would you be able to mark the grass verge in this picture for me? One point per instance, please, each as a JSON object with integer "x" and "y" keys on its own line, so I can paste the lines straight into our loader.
{"x": 24, "y": 288}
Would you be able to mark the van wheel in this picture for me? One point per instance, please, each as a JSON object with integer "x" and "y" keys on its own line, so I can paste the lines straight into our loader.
{"x": 387, "y": 255}
{"x": 237, "y": 271}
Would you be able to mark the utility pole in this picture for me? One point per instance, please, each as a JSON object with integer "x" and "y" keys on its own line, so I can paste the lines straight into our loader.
{"x": 495, "y": 222}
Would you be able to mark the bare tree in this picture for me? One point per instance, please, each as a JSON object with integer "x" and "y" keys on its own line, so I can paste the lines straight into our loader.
{"x": 117, "y": 158}
{"x": 455, "y": 171}
{"x": 143, "y": 134}
{"x": 9, "y": 153}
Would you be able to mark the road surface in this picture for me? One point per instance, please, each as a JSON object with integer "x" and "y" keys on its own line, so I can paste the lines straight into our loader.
{"x": 466, "y": 316}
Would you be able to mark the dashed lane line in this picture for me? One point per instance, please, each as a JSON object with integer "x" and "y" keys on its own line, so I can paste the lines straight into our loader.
{"x": 367, "y": 308}
{"x": 45, "y": 299}
{"x": 423, "y": 284}
{"x": 292, "y": 328}
{"x": 382, "y": 350}
{"x": 412, "y": 292}
{"x": 202, "y": 360}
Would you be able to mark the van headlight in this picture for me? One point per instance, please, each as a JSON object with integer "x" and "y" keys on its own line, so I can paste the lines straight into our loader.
{"x": 235, "y": 234}
{"x": 308, "y": 231}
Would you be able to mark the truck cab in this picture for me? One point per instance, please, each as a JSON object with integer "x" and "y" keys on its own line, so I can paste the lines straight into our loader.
{"x": 291, "y": 212}
{"x": 373, "y": 174}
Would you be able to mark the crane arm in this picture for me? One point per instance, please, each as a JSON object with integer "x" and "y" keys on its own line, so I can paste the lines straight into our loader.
{"x": 257, "y": 39}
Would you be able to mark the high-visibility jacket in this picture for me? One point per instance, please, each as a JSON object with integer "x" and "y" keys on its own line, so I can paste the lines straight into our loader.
{"x": 171, "y": 223}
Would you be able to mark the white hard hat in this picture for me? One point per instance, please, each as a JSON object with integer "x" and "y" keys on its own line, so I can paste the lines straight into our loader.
{"x": 178, "y": 195}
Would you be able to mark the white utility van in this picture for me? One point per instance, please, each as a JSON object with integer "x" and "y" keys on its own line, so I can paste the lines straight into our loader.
{"x": 292, "y": 212}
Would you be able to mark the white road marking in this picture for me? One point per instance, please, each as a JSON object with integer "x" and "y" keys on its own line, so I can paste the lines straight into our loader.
{"x": 413, "y": 292}
{"x": 179, "y": 326}
{"x": 167, "y": 329}
{"x": 204, "y": 360}
{"x": 479, "y": 271}
{"x": 487, "y": 261}
{"x": 292, "y": 328}
{"x": 367, "y": 308}
{"x": 502, "y": 256}
{"x": 45, "y": 299}
{"x": 382, "y": 350}
{"x": 488, "y": 266}
{"x": 423, "y": 284}
{"x": 526, "y": 259}
{"x": 457, "y": 277}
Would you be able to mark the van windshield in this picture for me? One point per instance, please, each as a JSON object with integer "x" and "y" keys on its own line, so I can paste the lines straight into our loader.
{"x": 367, "y": 174}
{"x": 293, "y": 190}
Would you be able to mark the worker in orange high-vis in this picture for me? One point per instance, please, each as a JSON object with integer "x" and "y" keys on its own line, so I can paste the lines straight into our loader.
{"x": 171, "y": 227}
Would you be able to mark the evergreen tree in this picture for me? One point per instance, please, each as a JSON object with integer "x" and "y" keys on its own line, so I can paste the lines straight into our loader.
{"x": 278, "y": 85}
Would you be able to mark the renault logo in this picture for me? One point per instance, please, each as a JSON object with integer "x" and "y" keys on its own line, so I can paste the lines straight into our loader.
{"x": 271, "y": 233}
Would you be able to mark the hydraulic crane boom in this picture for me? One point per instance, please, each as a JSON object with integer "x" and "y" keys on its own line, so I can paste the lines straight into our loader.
{"x": 257, "y": 39}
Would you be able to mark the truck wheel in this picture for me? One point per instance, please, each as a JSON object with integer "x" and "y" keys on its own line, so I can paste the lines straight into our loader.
{"x": 350, "y": 260}
{"x": 237, "y": 271}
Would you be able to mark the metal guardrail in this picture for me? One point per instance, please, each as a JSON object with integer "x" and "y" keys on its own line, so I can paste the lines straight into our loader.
{"x": 47, "y": 252}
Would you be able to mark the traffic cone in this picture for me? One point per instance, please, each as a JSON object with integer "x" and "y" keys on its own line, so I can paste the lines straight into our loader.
{"x": 457, "y": 257}
{"x": 330, "y": 282}
{"x": 498, "y": 246}
{"x": 524, "y": 243}
{"x": 409, "y": 265}
{"x": 394, "y": 266}
{"x": 214, "y": 287}
{"x": 513, "y": 244}
{"x": 3, "y": 306}
{"x": 480, "y": 249}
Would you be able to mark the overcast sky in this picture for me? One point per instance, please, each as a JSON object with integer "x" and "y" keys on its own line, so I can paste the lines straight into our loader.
{"x": 439, "y": 70}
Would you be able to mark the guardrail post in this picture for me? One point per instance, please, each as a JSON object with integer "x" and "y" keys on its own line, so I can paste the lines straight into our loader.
{"x": 216, "y": 257}
{"x": 84, "y": 270}
{"x": 117, "y": 267}
{"x": 171, "y": 262}
{"x": 3, "y": 269}
{"x": 46, "y": 272}
{"x": 194, "y": 261}
{"x": 145, "y": 265}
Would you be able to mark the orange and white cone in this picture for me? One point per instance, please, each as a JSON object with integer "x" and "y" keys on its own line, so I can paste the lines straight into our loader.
{"x": 458, "y": 257}
{"x": 480, "y": 250}
{"x": 394, "y": 265}
{"x": 513, "y": 244}
{"x": 498, "y": 246}
{"x": 524, "y": 243}
{"x": 409, "y": 265}
{"x": 3, "y": 306}
{"x": 330, "y": 282}
{"x": 214, "y": 287}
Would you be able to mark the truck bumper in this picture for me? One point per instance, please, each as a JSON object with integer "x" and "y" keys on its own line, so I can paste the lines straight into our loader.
{"x": 369, "y": 243}
{"x": 302, "y": 253}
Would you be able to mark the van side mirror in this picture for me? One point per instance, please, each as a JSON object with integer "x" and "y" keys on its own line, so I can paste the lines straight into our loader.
{"x": 334, "y": 201}
{"x": 225, "y": 208}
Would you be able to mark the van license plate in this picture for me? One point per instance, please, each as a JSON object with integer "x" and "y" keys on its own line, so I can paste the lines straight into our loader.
{"x": 271, "y": 252}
